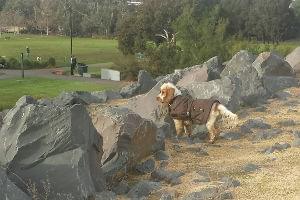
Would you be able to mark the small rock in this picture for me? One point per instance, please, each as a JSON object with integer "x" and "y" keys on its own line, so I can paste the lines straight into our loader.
{"x": 168, "y": 196}
{"x": 290, "y": 110}
{"x": 197, "y": 140}
{"x": 106, "y": 195}
{"x": 242, "y": 114}
{"x": 206, "y": 193}
{"x": 257, "y": 123}
{"x": 202, "y": 177}
{"x": 143, "y": 189}
{"x": 291, "y": 103}
{"x": 260, "y": 109}
{"x": 296, "y": 134}
{"x": 198, "y": 150}
{"x": 230, "y": 135}
{"x": 146, "y": 167}
{"x": 176, "y": 147}
{"x": 276, "y": 146}
{"x": 200, "y": 132}
{"x": 274, "y": 112}
{"x": 287, "y": 122}
{"x": 282, "y": 95}
{"x": 250, "y": 167}
{"x": 161, "y": 155}
{"x": 121, "y": 188}
{"x": 266, "y": 134}
{"x": 229, "y": 182}
{"x": 296, "y": 142}
{"x": 171, "y": 177}
{"x": 226, "y": 195}
{"x": 163, "y": 164}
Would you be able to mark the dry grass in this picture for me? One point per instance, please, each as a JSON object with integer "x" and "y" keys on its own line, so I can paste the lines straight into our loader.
{"x": 279, "y": 176}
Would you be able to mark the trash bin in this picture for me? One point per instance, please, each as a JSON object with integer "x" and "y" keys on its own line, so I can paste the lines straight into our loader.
{"x": 82, "y": 68}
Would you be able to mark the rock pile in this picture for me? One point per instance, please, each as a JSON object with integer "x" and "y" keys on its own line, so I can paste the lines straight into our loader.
{"x": 69, "y": 147}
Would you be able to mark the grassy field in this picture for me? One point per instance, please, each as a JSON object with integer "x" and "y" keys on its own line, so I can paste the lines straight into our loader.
{"x": 87, "y": 50}
{"x": 12, "y": 89}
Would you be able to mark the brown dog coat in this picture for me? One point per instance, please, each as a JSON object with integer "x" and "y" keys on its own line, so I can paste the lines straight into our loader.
{"x": 195, "y": 110}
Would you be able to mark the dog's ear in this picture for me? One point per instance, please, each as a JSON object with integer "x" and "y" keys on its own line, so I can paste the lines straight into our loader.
{"x": 170, "y": 92}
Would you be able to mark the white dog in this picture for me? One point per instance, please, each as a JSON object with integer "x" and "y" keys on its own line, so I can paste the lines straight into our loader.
{"x": 186, "y": 111}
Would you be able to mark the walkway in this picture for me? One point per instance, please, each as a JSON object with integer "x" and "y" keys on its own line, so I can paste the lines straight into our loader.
{"x": 47, "y": 73}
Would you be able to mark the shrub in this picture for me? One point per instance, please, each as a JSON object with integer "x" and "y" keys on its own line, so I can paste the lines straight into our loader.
{"x": 13, "y": 63}
{"x": 3, "y": 61}
{"x": 162, "y": 59}
{"x": 34, "y": 64}
{"x": 27, "y": 63}
{"x": 51, "y": 62}
{"x": 128, "y": 67}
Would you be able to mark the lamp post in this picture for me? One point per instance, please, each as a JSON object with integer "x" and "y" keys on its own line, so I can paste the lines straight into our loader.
{"x": 71, "y": 28}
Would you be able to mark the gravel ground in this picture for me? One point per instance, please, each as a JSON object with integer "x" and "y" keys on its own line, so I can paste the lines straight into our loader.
{"x": 278, "y": 176}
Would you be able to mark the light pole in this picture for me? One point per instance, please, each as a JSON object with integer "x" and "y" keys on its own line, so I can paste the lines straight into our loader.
{"x": 71, "y": 37}
{"x": 71, "y": 28}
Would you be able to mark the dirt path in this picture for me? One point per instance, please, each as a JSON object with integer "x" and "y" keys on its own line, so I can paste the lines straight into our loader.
{"x": 47, "y": 73}
{"x": 279, "y": 174}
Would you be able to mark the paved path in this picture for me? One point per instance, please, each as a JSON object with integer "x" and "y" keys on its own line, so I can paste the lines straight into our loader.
{"x": 47, "y": 73}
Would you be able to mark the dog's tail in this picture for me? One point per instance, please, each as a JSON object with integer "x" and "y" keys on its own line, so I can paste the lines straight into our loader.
{"x": 228, "y": 117}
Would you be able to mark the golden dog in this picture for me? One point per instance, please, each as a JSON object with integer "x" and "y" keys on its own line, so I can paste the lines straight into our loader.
{"x": 186, "y": 111}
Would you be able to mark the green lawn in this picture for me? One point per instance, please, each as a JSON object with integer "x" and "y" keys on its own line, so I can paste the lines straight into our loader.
{"x": 12, "y": 89}
{"x": 87, "y": 50}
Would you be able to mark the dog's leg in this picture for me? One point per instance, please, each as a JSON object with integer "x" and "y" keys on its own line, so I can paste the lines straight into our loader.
{"x": 210, "y": 125}
{"x": 178, "y": 127}
{"x": 188, "y": 128}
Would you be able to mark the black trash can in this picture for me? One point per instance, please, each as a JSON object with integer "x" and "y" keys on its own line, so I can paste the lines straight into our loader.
{"x": 82, "y": 68}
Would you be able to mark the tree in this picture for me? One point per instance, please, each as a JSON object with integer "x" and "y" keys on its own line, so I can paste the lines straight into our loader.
{"x": 2, "y": 4}
{"x": 202, "y": 33}
{"x": 143, "y": 24}
{"x": 271, "y": 20}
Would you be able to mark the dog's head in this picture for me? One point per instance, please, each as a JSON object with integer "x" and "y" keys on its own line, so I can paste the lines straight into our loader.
{"x": 167, "y": 92}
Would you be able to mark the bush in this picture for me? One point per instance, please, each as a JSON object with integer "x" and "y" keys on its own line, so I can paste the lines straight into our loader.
{"x": 128, "y": 67}
{"x": 51, "y": 62}
{"x": 161, "y": 59}
{"x": 256, "y": 47}
{"x": 34, "y": 64}
{"x": 27, "y": 63}
{"x": 13, "y": 63}
{"x": 3, "y": 61}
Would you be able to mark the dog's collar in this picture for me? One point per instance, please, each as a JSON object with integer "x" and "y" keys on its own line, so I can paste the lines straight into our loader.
{"x": 172, "y": 100}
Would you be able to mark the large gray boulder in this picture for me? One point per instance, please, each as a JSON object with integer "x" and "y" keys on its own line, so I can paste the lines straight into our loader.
{"x": 144, "y": 84}
{"x": 214, "y": 68}
{"x": 195, "y": 74}
{"x": 8, "y": 190}
{"x": 271, "y": 64}
{"x": 127, "y": 138}
{"x": 85, "y": 98}
{"x": 240, "y": 67}
{"x": 274, "y": 84}
{"x": 226, "y": 90}
{"x": 240, "y": 61}
{"x": 2, "y": 115}
{"x": 53, "y": 145}
{"x": 294, "y": 59}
